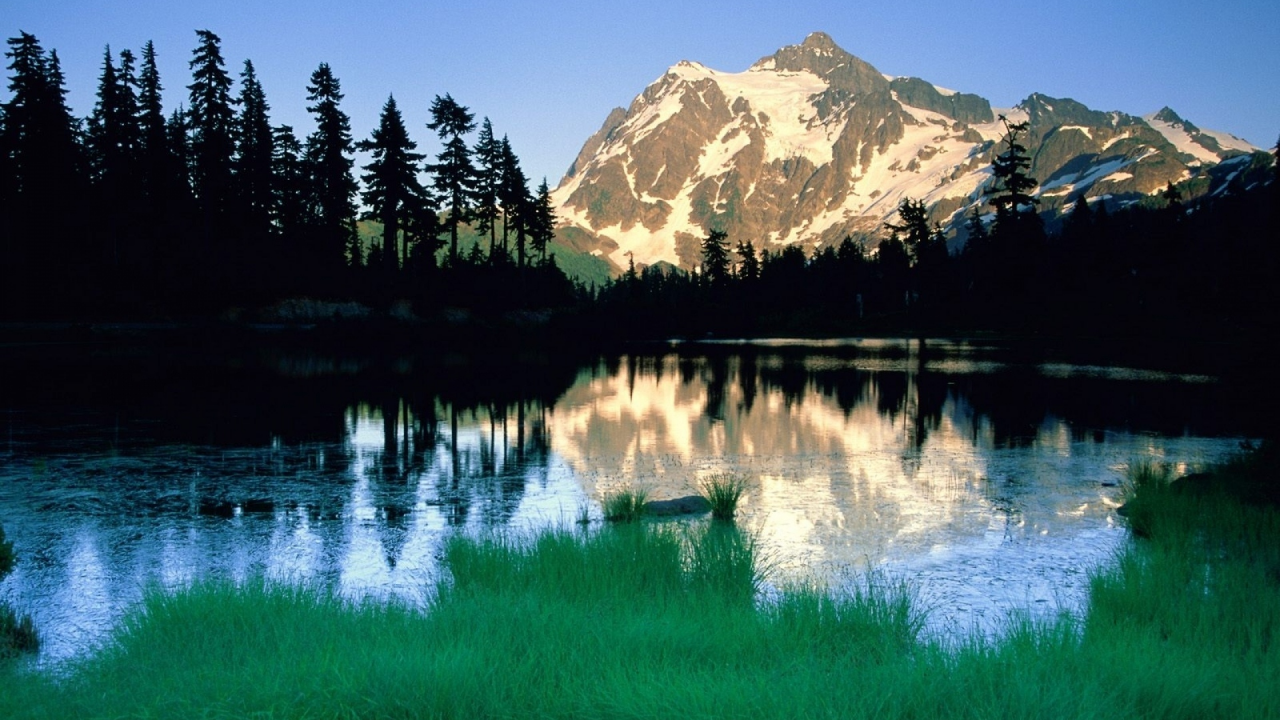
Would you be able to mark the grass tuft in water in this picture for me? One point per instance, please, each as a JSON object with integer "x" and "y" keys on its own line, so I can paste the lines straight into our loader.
{"x": 17, "y": 633}
{"x": 723, "y": 493}
{"x": 625, "y": 506}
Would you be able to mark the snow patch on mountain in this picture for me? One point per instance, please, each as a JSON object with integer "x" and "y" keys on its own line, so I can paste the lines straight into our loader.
{"x": 1178, "y": 136}
{"x": 793, "y": 128}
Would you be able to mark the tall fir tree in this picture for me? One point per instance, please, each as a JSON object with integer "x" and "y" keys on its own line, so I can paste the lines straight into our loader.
{"x": 1010, "y": 191}
{"x": 454, "y": 176}
{"x": 211, "y": 121}
{"x": 253, "y": 159}
{"x": 748, "y": 262}
{"x": 45, "y": 259}
{"x": 715, "y": 257}
{"x": 113, "y": 152}
{"x": 153, "y": 146}
{"x": 488, "y": 155}
{"x": 512, "y": 192}
{"x": 333, "y": 189}
{"x": 289, "y": 187}
{"x": 542, "y": 221}
{"x": 163, "y": 181}
{"x": 392, "y": 190}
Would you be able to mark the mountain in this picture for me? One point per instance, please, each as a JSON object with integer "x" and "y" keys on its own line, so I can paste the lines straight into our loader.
{"x": 812, "y": 144}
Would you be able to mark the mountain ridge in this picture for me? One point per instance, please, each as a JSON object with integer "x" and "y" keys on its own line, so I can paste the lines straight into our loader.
{"x": 811, "y": 144}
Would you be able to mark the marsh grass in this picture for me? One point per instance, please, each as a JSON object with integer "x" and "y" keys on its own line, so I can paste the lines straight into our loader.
{"x": 17, "y": 633}
{"x": 624, "y": 506}
{"x": 646, "y": 620}
{"x": 723, "y": 492}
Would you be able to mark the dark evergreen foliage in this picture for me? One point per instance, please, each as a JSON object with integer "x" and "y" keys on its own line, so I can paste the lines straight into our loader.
{"x": 133, "y": 216}
{"x": 211, "y": 125}
{"x": 715, "y": 257}
{"x": 332, "y": 193}
{"x": 255, "y": 151}
{"x": 514, "y": 195}
{"x": 542, "y": 221}
{"x": 488, "y": 155}
{"x": 47, "y": 256}
{"x": 392, "y": 191}
{"x": 454, "y": 174}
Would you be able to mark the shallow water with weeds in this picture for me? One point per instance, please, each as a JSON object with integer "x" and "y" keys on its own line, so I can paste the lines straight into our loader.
{"x": 988, "y": 479}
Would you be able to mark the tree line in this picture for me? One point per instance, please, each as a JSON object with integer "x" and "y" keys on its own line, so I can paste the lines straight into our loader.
{"x": 1162, "y": 265}
{"x": 132, "y": 212}
{"x": 135, "y": 213}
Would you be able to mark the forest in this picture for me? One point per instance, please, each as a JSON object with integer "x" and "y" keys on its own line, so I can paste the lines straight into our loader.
{"x": 132, "y": 214}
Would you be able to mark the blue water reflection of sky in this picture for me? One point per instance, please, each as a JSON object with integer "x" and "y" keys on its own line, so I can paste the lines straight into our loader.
{"x": 911, "y": 466}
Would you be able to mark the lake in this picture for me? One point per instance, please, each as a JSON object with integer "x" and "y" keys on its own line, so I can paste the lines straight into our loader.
{"x": 986, "y": 474}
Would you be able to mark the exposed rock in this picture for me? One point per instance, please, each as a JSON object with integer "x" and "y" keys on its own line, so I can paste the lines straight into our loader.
{"x": 687, "y": 505}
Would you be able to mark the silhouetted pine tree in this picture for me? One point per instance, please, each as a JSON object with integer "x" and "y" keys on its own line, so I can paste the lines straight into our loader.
{"x": 542, "y": 221}
{"x": 454, "y": 175}
{"x": 113, "y": 151}
{"x": 211, "y": 123}
{"x": 748, "y": 262}
{"x": 488, "y": 154}
{"x": 290, "y": 185}
{"x": 1018, "y": 234}
{"x": 45, "y": 258}
{"x": 391, "y": 184}
{"x": 333, "y": 189}
{"x": 1010, "y": 193}
{"x": 155, "y": 158}
{"x": 513, "y": 193}
{"x": 165, "y": 193}
{"x": 715, "y": 257}
{"x": 254, "y": 157}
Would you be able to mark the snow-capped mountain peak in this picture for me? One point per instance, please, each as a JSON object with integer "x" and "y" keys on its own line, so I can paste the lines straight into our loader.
{"x": 811, "y": 144}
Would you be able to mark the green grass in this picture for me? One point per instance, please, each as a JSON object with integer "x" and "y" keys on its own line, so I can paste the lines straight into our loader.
{"x": 624, "y": 506}
{"x": 723, "y": 493}
{"x": 17, "y": 633}
{"x": 659, "y": 620}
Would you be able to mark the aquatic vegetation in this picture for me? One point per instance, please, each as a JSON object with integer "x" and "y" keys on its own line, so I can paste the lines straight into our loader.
{"x": 625, "y": 505}
{"x": 723, "y": 493}
{"x": 17, "y": 633}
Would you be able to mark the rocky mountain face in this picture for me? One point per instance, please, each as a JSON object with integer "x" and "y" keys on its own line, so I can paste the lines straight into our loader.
{"x": 812, "y": 144}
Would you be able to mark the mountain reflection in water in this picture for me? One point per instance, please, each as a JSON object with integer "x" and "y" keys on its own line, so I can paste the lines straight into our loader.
{"x": 988, "y": 479}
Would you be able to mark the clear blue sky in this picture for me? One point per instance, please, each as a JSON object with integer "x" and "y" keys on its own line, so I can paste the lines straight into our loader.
{"x": 547, "y": 73}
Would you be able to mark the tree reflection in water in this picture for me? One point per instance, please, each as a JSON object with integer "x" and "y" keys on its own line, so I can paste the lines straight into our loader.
{"x": 982, "y": 474}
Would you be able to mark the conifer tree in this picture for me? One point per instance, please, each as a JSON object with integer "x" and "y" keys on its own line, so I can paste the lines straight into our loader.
{"x": 45, "y": 179}
{"x": 391, "y": 182}
{"x": 918, "y": 236}
{"x": 715, "y": 257}
{"x": 333, "y": 188}
{"x": 289, "y": 186}
{"x": 542, "y": 221}
{"x": 454, "y": 174}
{"x": 153, "y": 147}
{"x": 211, "y": 123}
{"x": 748, "y": 262}
{"x": 1010, "y": 194}
{"x": 488, "y": 154}
{"x": 512, "y": 191}
{"x": 113, "y": 124}
{"x": 113, "y": 154}
{"x": 177, "y": 130}
{"x": 254, "y": 155}
{"x": 163, "y": 183}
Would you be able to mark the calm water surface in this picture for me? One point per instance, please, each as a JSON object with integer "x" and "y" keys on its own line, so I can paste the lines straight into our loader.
{"x": 988, "y": 478}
